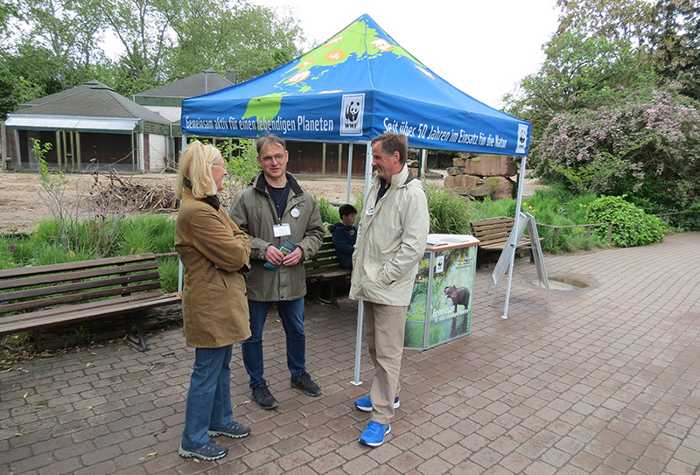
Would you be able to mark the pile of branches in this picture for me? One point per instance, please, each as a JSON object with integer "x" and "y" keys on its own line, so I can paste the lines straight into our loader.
{"x": 118, "y": 194}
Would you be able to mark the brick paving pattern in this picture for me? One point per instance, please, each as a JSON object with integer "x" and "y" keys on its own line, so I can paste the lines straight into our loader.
{"x": 599, "y": 380}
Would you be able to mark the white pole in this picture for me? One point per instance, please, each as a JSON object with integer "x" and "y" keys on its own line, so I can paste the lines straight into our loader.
{"x": 360, "y": 305}
{"x": 423, "y": 163}
{"x": 180, "y": 266}
{"x": 368, "y": 172}
{"x": 349, "y": 187}
{"x": 358, "y": 343}
{"x": 516, "y": 227}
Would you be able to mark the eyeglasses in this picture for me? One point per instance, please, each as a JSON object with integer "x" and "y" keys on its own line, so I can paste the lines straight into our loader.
{"x": 278, "y": 157}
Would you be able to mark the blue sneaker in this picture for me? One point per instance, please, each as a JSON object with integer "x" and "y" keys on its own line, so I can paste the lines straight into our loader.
{"x": 235, "y": 430}
{"x": 374, "y": 433}
{"x": 209, "y": 452}
{"x": 364, "y": 404}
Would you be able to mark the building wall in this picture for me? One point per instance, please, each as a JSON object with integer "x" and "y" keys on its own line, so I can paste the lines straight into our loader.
{"x": 306, "y": 157}
{"x": 170, "y": 113}
{"x": 157, "y": 146}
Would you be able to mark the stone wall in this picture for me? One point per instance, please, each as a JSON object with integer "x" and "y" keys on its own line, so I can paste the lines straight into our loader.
{"x": 482, "y": 175}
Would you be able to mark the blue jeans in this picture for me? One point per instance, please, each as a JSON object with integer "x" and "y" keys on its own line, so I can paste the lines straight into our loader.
{"x": 209, "y": 396}
{"x": 292, "y": 315}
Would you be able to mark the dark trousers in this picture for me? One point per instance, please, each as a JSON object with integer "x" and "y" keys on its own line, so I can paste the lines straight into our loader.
{"x": 209, "y": 396}
{"x": 292, "y": 315}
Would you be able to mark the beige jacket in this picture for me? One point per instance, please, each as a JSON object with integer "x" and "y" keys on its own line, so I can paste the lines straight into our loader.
{"x": 213, "y": 251}
{"x": 390, "y": 242}
{"x": 254, "y": 212}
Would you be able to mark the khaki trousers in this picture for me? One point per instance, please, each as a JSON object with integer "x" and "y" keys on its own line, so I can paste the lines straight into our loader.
{"x": 385, "y": 326}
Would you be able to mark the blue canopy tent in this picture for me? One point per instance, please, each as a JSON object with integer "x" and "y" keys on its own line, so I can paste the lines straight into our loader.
{"x": 355, "y": 86}
{"x": 350, "y": 89}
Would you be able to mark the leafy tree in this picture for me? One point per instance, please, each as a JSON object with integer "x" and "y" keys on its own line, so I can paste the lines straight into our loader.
{"x": 581, "y": 72}
{"x": 675, "y": 39}
{"x": 241, "y": 38}
{"x": 142, "y": 29}
{"x": 626, "y": 20}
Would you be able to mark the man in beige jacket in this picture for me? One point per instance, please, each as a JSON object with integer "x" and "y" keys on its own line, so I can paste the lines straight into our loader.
{"x": 390, "y": 244}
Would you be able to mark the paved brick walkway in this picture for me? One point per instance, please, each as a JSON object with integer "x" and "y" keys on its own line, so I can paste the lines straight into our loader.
{"x": 601, "y": 380}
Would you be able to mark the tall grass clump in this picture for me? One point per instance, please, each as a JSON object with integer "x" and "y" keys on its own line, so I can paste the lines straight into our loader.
{"x": 559, "y": 215}
{"x": 449, "y": 212}
{"x": 329, "y": 213}
{"x": 168, "y": 270}
{"x": 147, "y": 233}
{"x": 7, "y": 258}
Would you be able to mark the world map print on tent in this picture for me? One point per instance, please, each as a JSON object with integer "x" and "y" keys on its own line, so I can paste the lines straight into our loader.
{"x": 359, "y": 41}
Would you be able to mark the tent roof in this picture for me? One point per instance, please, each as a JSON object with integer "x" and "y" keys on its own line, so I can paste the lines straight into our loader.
{"x": 92, "y": 99}
{"x": 195, "y": 85}
{"x": 353, "y": 87}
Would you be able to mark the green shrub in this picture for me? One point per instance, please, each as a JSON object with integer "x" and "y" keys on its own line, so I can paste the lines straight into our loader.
{"x": 147, "y": 233}
{"x": 329, "y": 213}
{"x": 7, "y": 258}
{"x": 56, "y": 254}
{"x": 491, "y": 209}
{"x": 449, "y": 212}
{"x": 631, "y": 226}
{"x": 168, "y": 270}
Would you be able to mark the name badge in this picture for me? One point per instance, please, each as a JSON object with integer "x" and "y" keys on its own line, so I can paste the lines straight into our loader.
{"x": 281, "y": 230}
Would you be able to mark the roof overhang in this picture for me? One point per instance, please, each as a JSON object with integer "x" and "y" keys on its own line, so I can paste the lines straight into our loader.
{"x": 71, "y": 122}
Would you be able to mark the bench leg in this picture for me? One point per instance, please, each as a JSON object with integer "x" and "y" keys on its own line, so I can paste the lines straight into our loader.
{"x": 136, "y": 336}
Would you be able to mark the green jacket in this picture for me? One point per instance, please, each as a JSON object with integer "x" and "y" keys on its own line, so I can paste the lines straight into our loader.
{"x": 254, "y": 212}
{"x": 390, "y": 242}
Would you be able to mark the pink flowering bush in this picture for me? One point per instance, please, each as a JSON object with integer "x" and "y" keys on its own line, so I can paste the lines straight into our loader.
{"x": 648, "y": 150}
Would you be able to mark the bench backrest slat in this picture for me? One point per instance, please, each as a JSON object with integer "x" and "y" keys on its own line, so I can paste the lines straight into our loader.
{"x": 77, "y": 286}
{"x": 69, "y": 298}
{"x": 56, "y": 315}
{"x": 70, "y": 266}
{"x": 87, "y": 272}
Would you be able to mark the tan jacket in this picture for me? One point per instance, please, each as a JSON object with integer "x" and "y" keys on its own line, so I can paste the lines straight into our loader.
{"x": 213, "y": 250}
{"x": 390, "y": 242}
{"x": 254, "y": 211}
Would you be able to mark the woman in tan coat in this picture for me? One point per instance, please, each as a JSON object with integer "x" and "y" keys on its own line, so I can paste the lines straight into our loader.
{"x": 214, "y": 251}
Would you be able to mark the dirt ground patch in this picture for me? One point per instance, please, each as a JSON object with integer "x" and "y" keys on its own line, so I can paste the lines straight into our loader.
{"x": 22, "y": 206}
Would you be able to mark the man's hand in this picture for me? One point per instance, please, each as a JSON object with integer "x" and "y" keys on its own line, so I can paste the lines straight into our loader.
{"x": 274, "y": 255}
{"x": 293, "y": 258}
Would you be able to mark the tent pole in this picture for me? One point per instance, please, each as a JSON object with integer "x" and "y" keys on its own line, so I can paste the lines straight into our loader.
{"x": 361, "y": 304}
{"x": 340, "y": 159}
{"x": 323, "y": 158}
{"x": 180, "y": 265}
{"x": 423, "y": 162}
{"x": 516, "y": 226}
{"x": 349, "y": 187}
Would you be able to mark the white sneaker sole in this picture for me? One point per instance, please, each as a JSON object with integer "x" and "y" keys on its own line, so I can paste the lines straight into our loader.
{"x": 188, "y": 455}
{"x": 217, "y": 433}
{"x": 397, "y": 404}
{"x": 377, "y": 444}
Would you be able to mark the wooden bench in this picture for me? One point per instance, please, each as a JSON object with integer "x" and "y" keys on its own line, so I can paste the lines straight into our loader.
{"x": 324, "y": 267}
{"x": 493, "y": 234}
{"x": 44, "y": 296}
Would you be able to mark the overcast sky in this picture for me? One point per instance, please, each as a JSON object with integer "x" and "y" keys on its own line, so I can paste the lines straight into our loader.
{"x": 483, "y": 47}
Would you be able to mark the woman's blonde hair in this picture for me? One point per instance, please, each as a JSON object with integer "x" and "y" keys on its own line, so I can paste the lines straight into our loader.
{"x": 195, "y": 165}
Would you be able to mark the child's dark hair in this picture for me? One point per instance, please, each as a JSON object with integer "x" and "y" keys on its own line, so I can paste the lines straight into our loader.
{"x": 345, "y": 210}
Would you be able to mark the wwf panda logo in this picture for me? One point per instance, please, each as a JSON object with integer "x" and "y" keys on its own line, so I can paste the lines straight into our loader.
{"x": 521, "y": 144}
{"x": 352, "y": 113}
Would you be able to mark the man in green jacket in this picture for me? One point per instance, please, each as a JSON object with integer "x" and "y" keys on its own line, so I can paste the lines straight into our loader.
{"x": 390, "y": 244}
{"x": 284, "y": 225}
